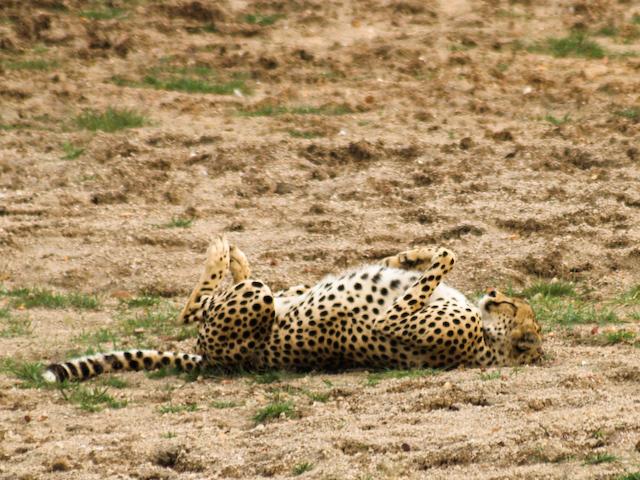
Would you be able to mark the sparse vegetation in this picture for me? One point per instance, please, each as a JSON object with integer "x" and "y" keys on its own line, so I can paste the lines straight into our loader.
{"x": 145, "y": 301}
{"x": 13, "y": 326}
{"x": 178, "y": 222}
{"x": 620, "y": 336}
{"x": 557, "y": 121}
{"x": 550, "y": 289}
{"x": 307, "y": 134}
{"x": 222, "y": 404}
{"x": 301, "y": 468}
{"x": 374, "y": 378}
{"x": 576, "y": 44}
{"x": 41, "y": 298}
{"x": 632, "y": 113}
{"x": 71, "y": 152}
{"x": 30, "y": 373}
{"x": 271, "y": 110}
{"x": 104, "y": 13}
{"x": 91, "y": 399}
{"x": 262, "y": 20}
{"x": 495, "y": 375}
{"x": 275, "y": 410}
{"x": 32, "y": 64}
{"x": 179, "y": 408}
{"x": 600, "y": 458}
{"x": 111, "y": 120}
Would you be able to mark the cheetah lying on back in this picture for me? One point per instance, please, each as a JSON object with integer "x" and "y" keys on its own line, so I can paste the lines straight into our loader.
{"x": 398, "y": 314}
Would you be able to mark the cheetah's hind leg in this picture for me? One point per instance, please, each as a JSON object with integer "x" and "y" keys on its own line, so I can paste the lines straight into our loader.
{"x": 215, "y": 267}
{"x": 417, "y": 296}
{"x": 415, "y": 259}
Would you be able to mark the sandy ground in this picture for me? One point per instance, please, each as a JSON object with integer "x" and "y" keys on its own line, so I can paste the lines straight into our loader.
{"x": 441, "y": 138}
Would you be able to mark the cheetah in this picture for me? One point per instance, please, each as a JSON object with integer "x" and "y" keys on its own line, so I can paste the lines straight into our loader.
{"x": 395, "y": 314}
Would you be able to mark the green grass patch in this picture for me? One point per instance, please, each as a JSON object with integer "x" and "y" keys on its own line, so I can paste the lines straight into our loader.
{"x": 608, "y": 31}
{"x": 630, "y": 297}
{"x": 180, "y": 408}
{"x": 114, "y": 382}
{"x": 262, "y": 20}
{"x": 221, "y": 404}
{"x": 111, "y": 120}
{"x": 301, "y": 468}
{"x": 90, "y": 399}
{"x": 307, "y": 134}
{"x": 374, "y": 379}
{"x": 272, "y": 110}
{"x": 495, "y": 375}
{"x": 274, "y": 411}
{"x": 38, "y": 297}
{"x": 621, "y": 336}
{"x": 600, "y": 458}
{"x": 158, "y": 322}
{"x": 632, "y": 113}
{"x": 195, "y": 85}
{"x": 145, "y": 301}
{"x": 178, "y": 222}
{"x": 97, "y": 338}
{"x": 71, "y": 152}
{"x": 629, "y": 476}
{"x": 11, "y": 327}
{"x": 550, "y": 289}
{"x": 105, "y": 13}
{"x": 557, "y": 121}
{"x": 30, "y": 373}
{"x": 554, "y": 311}
{"x": 576, "y": 44}
{"x": 33, "y": 64}
{"x": 321, "y": 397}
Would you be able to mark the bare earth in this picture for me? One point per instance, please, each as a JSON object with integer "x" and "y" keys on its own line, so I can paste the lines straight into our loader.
{"x": 428, "y": 127}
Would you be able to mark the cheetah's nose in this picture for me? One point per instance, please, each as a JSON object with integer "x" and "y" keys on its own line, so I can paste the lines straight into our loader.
{"x": 491, "y": 292}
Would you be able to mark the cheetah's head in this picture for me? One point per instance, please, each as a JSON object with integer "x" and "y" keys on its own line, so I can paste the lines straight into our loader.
{"x": 516, "y": 326}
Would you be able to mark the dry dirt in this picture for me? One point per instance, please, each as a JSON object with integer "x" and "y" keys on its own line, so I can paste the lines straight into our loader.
{"x": 442, "y": 138}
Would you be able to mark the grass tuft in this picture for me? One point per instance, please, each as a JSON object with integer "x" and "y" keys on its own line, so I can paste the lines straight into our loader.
{"x": 30, "y": 373}
{"x": 576, "y": 44}
{"x": 301, "y": 468}
{"x": 557, "y": 121}
{"x": 600, "y": 458}
{"x": 106, "y": 13}
{"x": 632, "y": 113}
{"x": 12, "y": 327}
{"x": 307, "y": 134}
{"x": 71, "y": 152}
{"x": 143, "y": 301}
{"x": 495, "y": 375}
{"x": 37, "y": 297}
{"x": 374, "y": 378}
{"x": 262, "y": 20}
{"x": 273, "y": 411}
{"x": 92, "y": 399}
{"x": 111, "y": 120}
{"x": 272, "y": 110}
{"x": 221, "y": 404}
{"x": 35, "y": 64}
{"x": 550, "y": 289}
{"x": 178, "y": 222}
{"x": 185, "y": 407}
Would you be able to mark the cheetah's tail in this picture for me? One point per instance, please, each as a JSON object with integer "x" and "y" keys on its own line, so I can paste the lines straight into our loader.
{"x": 124, "y": 360}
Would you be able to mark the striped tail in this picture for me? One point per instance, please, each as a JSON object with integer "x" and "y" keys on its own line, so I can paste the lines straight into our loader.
{"x": 125, "y": 360}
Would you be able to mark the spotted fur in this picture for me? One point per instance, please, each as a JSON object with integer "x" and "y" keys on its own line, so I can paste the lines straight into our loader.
{"x": 398, "y": 314}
